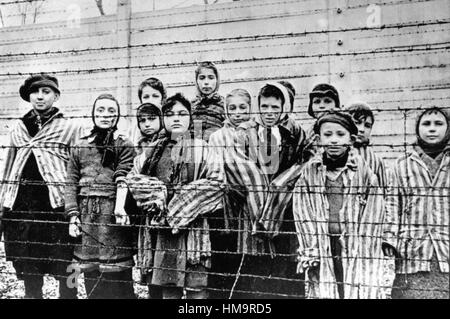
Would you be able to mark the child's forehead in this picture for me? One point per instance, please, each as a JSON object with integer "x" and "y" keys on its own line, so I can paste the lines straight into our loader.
{"x": 106, "y": 103}
{"x": 271, "y": 98}
{"x": 237, "y": 98}
{"x": 206, "y": 71}
{"x": 332, "y": 126}
{"x": 149, "y": 87}
{"x": 432, "y": 114}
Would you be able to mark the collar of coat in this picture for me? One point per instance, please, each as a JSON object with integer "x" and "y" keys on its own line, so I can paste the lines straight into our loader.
{"x": 352, "y": 162}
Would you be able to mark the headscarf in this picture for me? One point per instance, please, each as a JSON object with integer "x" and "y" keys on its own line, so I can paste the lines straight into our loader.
{"x": 236, "y": 92}
{"x": 433, "y": 149}
{"x": 213, "y": 97}
{"x": 104, "y": 138}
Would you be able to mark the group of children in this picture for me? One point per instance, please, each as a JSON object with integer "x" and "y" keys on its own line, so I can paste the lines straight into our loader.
{"x": 224, "y": 198}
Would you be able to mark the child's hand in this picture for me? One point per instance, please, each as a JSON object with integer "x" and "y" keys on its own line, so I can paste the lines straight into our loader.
{"x": 121, "y": 216}
{"x": 74, "y": 227}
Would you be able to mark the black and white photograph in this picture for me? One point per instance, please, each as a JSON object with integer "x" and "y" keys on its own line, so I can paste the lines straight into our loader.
{"x": 245, "y": 150}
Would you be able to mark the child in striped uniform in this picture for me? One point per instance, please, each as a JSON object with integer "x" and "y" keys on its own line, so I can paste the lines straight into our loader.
{"x": 275, "y": 144}
{"x": 95, "y": 199}
{"x": 179, "y": 260}
{"x": 364, "y": 119}
{"x": 32, "y": 193}
{"x": 208, "y": 111}
{"x": 338, "y": 213}
{"x": 418, "y": 205}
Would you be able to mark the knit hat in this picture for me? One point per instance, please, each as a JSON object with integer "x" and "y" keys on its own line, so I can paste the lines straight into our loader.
{"x": 37, "y": 81}
{"x": 321, "y": 90}
{"x": 339, "y": 118}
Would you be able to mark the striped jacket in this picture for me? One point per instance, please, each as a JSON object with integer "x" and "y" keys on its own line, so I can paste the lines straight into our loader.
{"x": 376, "y": 164}
{"x": 361, "y": 218}
{"x": 418, "y": 209}
{"x": 50, "y": 146}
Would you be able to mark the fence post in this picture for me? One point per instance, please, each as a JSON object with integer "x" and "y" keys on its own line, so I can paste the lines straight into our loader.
{"x": 123, "y": 27}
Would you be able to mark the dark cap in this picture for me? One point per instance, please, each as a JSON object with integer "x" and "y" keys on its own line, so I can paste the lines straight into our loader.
{"x": 37, "y": 81}
{"x": 341, "y": 118}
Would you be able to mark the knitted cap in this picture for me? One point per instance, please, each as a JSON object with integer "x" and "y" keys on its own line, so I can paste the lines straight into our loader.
{"x": 339, "y": 118}
{"x": 37, "y": 81}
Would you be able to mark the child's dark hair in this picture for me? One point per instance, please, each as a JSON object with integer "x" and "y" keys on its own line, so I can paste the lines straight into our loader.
{"x": 360, "y": 110}
{"x": 291, "y": 90}
{"x": 271, "y": 91}
{"x": 155, "y": 84}
{"x": 171, "y": 101}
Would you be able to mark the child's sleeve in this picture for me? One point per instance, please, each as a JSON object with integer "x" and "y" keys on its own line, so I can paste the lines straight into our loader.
{"x": 72, "y": 183}
{"x": 125, "y": 160}
{"x": 393, "y": 208}
{"x": 9, "y": 159}
{"x": 305, "y": 224}
{"x": 214, "y": 169}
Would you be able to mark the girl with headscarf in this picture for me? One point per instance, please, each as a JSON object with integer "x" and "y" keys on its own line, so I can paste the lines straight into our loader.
{"x": 95, "y": 200}
{"x": 231, "y": 209}
{"x": 418, "y": 205}
{"x": 149, "y": 123}
{"x": 208, "y": 111}
{"x": 338, "y": 213}
{"x": 172, "y": 260}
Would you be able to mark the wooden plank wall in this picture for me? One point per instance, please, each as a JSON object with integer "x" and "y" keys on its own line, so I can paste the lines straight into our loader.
{"x": 391, "y": 53}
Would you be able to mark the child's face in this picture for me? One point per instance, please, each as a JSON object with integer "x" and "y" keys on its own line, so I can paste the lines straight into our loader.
{"x": 105, "y": 113}
{"x": 238, "y": 109}
{"x": 335, "y": 139}
{"x": 149, "y": 124}
{"x": 177, "y": 120}
{"x": 432, "y": 127}
{"x": 43, "y": 98}
{"x": 322, "y": 104}
{"x": 206, "y": 81}
{"x": 270, "y": 108}
{"x": 151, "y": 95}
{"x": 364, "y": 125}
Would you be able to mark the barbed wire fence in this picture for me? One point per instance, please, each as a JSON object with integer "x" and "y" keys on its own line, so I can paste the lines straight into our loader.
{"x": 392, "y": 54}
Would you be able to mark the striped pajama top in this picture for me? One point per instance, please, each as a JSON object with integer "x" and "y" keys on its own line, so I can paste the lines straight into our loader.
{"x": 50, "y": 146}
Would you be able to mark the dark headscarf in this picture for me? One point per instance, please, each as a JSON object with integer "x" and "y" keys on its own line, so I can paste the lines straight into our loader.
{"x": 433, "y": 150}
{"x": 104, "y": 138}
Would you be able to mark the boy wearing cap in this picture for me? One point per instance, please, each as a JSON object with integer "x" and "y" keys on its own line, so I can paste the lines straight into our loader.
{"x": 32, "y": 196}
{"x": 338, "y": 212}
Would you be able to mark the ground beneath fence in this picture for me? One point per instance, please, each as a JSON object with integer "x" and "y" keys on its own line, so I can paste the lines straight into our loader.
{"x": 12, "y": 288}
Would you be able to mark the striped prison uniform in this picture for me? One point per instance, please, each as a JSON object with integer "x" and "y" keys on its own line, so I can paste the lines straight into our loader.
{"x": 50, "y": 146}
{"x": 361, "y": 237}
{"x": 227, "y": 171}
{"x": 418, "y": 207}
